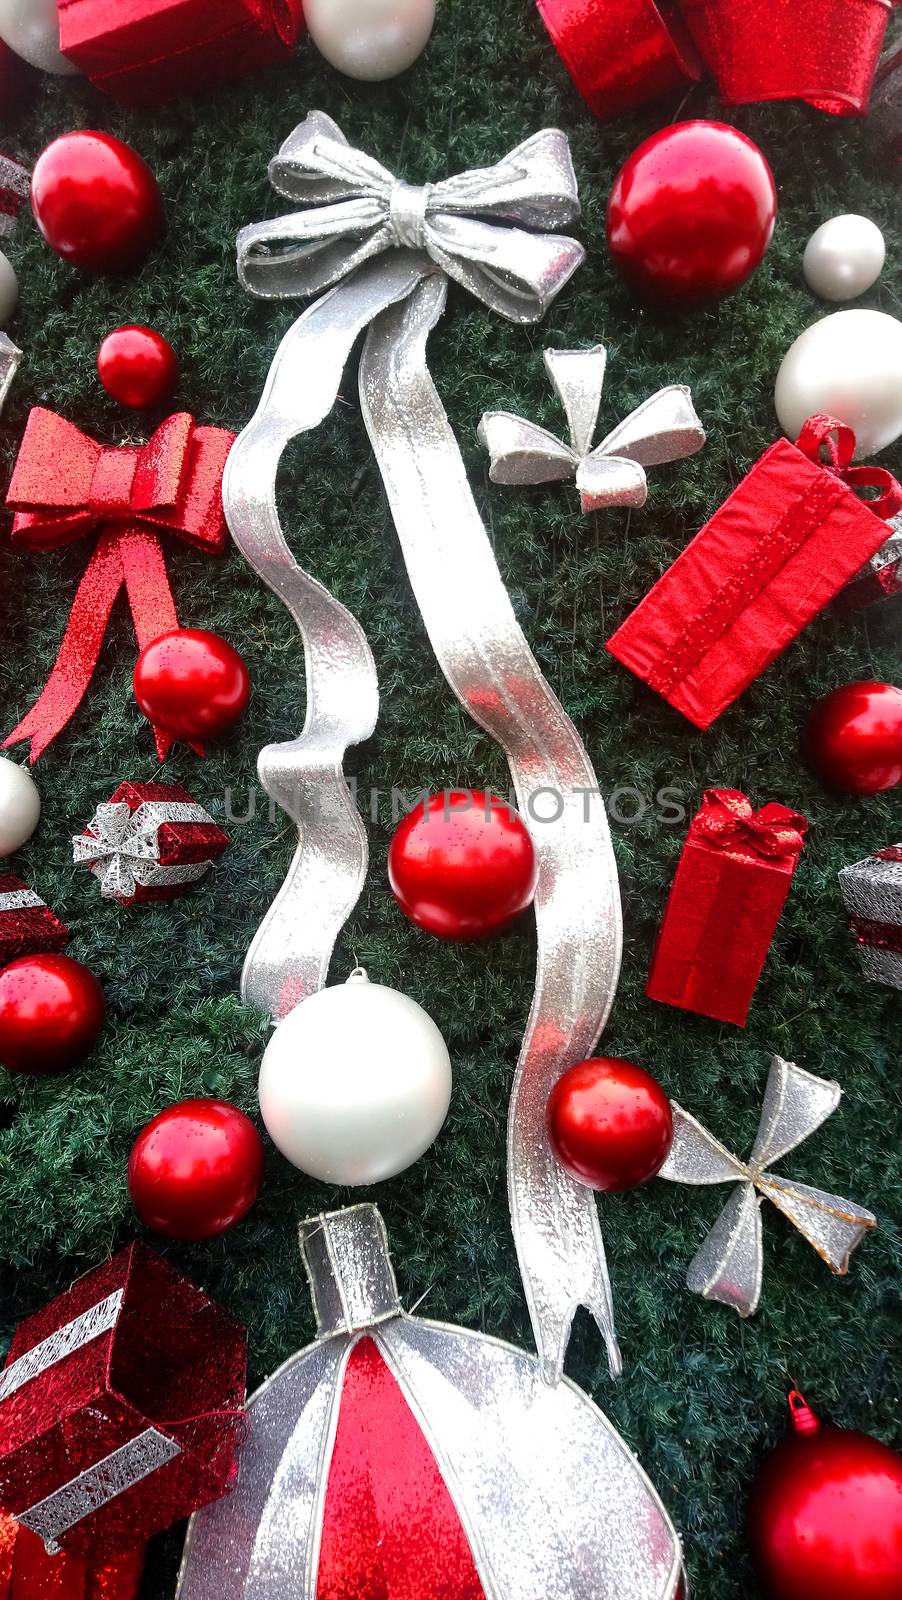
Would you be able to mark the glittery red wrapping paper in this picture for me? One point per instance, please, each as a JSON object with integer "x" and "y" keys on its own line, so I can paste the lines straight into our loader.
{"x": 785, "y": 542}
{"x": 27, "y": 1572}
{"x": 144, "y": 52}
{"x": 621, "y": 53}
{"x": 173, "y": 1360}
{"x": 725, "y": 901}
{"x": 180, "y": 842}
{"x": 390, "y": 1530}
{"x": 27, "y": 930}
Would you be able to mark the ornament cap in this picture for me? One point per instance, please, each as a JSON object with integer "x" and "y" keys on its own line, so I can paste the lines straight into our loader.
{"x": 802, "y": 1417}
{"x": 352, "y": 1280}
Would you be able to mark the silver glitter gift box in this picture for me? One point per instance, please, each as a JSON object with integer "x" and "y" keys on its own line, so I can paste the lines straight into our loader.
{"x": 872, "y": 891}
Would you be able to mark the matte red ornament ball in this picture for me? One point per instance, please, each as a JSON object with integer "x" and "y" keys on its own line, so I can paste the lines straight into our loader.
{"x": 691, "y": 214}
{"x": 51, "y": 1013}
{"x": 610, "y": 1123}
{"x": 853, "y": 738}
{"x": 196, "y": 1169}
{"x": 137, "y": 366}
{"x": 192, "y": 684}
{"x": 462, "y": 865}
{"x": 96, "y": 201}
{"x": 825, "y": 1514}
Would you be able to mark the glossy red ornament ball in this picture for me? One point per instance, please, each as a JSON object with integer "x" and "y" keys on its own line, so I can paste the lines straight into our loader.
{"x": 853, "y": 738}
{"x": 691, "y": 214}
{"x": 825, "y": 1515}
{"x": 96, "y": 202}
{"x": 137, "y": 366}
{"x": 192, "y": 684}
{"x": 196, "y": 1169}
{"x": 51, "y": 1013}
{"x": 462, "y": 865}
{"x": 610, "y": 1123}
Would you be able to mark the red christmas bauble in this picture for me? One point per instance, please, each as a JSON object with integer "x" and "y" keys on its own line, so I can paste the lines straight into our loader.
{"x": 196, "y": 1169}
{"x": 137, "y": 366}
{"x": 51, "y": 1013}
{"x": 96, "y": 201}
{"x": 462, "y": 865}
{"x": 853, "y": 738}
{"x": 825, "y": 1515}
{"x": 610, "y": 1123}
{"x": 192, "y": 684}
{"x": 691, "y": 213}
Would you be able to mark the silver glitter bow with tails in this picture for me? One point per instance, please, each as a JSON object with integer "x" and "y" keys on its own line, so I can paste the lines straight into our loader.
{"x": 384, "y": 250}
{"x": 729, "y": 1265}
{"x": 664, "y": 428}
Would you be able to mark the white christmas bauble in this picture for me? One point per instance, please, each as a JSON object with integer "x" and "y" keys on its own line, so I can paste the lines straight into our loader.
{"x": 850, "y": 365}
{"x": 355, "y": 1083}
{"x": 370, "y": 39}
{"x": 844, "y": 257}
{"x": 32, "y": 29}
{"x": 9, "y": 290}
{"x": 20, "y": 806}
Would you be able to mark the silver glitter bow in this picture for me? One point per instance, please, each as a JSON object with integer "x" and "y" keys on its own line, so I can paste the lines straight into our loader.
{"x": 664, "y": 428}
{"x": 385, "y": 250}
{"x": 729, "y": 1265}
{"x": 122, "y": 848}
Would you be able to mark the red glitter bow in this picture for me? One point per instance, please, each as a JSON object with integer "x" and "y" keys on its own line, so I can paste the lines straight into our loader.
{"x": 622, "y": 53}
{"x": 728, "y": 821}
{"x": 65, "y": 485}
{"x": 840, "y": 441}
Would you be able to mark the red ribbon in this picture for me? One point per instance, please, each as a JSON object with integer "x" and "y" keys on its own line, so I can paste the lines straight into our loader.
{"x": 877, "y": 935}
{"x": 65, "y": 485}
{"x": 728, "y": 821}
{"x": 839, "y": 439}
{"x": 622, "y": 53}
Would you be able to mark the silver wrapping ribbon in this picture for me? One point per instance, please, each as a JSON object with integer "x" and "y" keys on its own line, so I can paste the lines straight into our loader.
{"x": 122, "y": 847}
{"x": 20, "y": 900}
{"x": 390, "y": 247}
{"x": 664, "y": 428}
{"x": 10, "y": 356}
{"x": 74, "y": 1335}
{"x": 729, "y": 1265}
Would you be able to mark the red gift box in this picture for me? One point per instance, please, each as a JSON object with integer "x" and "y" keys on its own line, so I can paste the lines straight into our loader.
{"x": 120, "y": 1408}
{"x": 769, "y": 560}
{"x": 27, "y": 925}
{"x": 143, "y": 52}
{"x": 27, "y": 1572}
{"x": 151, "y": 841}
{"x": 729, "y": 890}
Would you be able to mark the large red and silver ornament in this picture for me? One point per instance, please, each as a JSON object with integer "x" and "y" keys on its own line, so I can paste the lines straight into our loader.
{"x": 411, "y": 1458}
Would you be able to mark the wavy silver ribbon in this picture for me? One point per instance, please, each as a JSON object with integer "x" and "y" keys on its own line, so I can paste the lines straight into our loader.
{"x": 385, "y": 250}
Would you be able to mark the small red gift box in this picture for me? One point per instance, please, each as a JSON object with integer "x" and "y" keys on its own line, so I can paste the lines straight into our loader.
{"x": 730, "y": 887}
{"x": 143, "y": 52}
{"x": 769, "y": 560}
{"x": 27, "y": 1572}
{"x": 120, "y": 1408}
{"x": 27, "y": 925}
{"x": 150, "y": 842}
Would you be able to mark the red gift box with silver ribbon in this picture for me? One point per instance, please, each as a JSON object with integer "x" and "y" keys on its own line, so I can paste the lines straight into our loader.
{"x": 121, "y": 1408}
{"x": 27, "y": 925}
{"x": 143, "y": 52}
{"x": 151, "y": 841}
{"x": 872, "y": 891}
{"x": 775, "y": 553}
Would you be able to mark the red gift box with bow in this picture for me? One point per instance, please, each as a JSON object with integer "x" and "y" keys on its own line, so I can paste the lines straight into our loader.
{"x": 27, "y": 1572}
{"x": 150, "y": 841}
{"x": 144, "y": 52}
{"x": 27, "y": 925}
{"x": 729, "y": 890}
{"x": 773, "y": 555}
{"x": 121, "y": 1408}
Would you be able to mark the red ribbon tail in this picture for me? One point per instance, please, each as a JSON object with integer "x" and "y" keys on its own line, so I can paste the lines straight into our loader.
{"x": 79, "y": 651}
{"x": 150, "y": 598}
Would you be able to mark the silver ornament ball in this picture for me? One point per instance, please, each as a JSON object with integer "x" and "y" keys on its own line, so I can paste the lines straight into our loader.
{"x": 32, "y": 29}
{"x": 848, "y": 365}
{"x": 844, "y": 257}
{"x": 355, "y": 1083}
{"x": 370, "y": 39}
{"x": 20, "y": 806}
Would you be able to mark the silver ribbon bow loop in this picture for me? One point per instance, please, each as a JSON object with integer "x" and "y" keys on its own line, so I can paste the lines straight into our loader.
{"x": 663, "y": 428}
{"x": 729, "y": 1265}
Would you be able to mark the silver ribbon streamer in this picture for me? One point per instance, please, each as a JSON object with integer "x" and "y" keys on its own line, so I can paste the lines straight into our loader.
{"x": 74, "y": 1335}
{"x": 122, "y": 848}
{"x": 729, "y": 1265}
{"x": 872, "y": 891}
{"x": 664, "y": 428}
{"x": 112, "y": 1475}
{"x": 390, "y": 247}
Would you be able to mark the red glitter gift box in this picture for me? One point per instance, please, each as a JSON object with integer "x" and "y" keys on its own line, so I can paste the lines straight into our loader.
{"x": 27, "y": 925}
{"x": 27, "y": 1572}
{"x": 121, "y": 1408}
{"x": 729, "y": 890}
{"x": 144, "y": 52}
{"x": 773, "y": 555}
{"x": 151, "y": 841}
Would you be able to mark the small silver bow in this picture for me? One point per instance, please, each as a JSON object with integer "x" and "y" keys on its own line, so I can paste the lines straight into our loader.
{"x": 123, "y": 851}
{"x": 361, "y": 210}
{"x": 664, "y": 428}
{"x": 729, "y": 1265}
